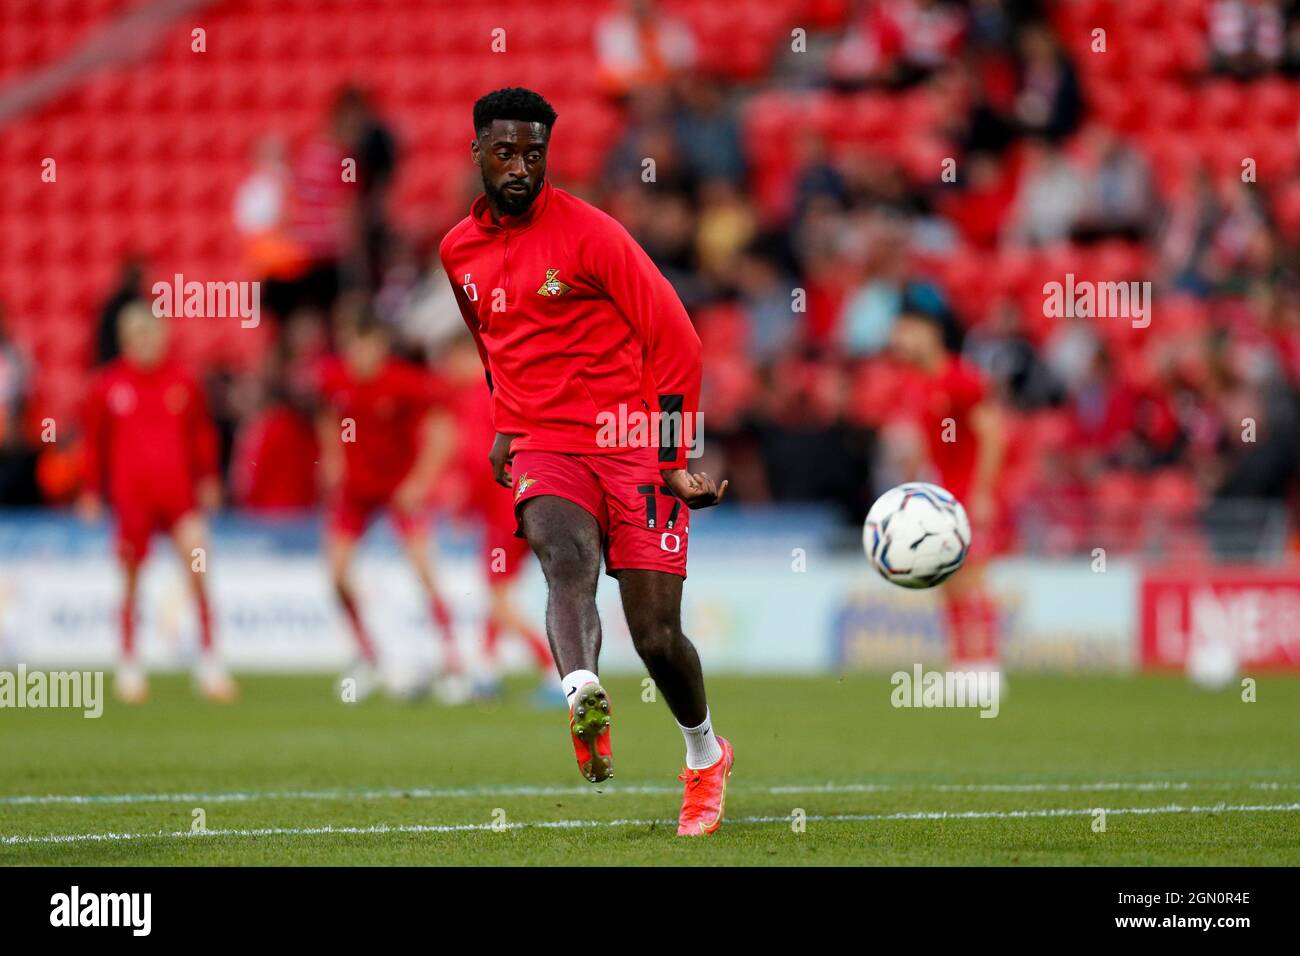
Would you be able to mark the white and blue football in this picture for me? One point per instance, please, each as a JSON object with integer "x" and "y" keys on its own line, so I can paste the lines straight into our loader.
{"x": 916, "y": 535}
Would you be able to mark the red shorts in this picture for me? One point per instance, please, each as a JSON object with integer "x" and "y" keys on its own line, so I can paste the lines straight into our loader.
{"x": 349, "y": 516}
{"x": 138, "y": 520}
{"x": 643, "y": 525}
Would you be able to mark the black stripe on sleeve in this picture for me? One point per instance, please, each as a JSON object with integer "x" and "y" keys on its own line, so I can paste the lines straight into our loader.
{"x": 672, "y": 426}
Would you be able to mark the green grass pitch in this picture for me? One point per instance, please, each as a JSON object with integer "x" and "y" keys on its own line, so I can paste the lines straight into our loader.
{"x": 290, "y": 775}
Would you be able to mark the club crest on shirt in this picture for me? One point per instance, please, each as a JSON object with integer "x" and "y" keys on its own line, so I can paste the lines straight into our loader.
{"x": 523, "y": 484}
{"x": 552, "y": 286}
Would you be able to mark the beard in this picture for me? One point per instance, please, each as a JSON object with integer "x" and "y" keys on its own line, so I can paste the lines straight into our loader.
{"x": 509, "y": 203}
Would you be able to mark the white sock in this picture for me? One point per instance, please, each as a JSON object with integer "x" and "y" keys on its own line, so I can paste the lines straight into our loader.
{"x": 571, "y": 682}
{"x": 702, "y": 748}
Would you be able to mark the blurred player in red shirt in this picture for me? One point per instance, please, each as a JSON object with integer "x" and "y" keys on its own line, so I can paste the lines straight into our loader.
{"x": 151, "y": 452}
{"x": 965, "y": 436}
{"x": 385, "y": 437}
{"x": 478, "y": 497}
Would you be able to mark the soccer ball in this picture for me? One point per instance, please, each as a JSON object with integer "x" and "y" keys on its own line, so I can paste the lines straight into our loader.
{"x": 1211, "y": 664}
{"x": 916, "y": 535}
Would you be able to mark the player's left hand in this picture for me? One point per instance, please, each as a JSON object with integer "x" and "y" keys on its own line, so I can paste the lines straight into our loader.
{"x": 698, "y": 491}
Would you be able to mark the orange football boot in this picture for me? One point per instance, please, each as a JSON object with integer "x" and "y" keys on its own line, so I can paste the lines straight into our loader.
{"x": 705, "y": 797}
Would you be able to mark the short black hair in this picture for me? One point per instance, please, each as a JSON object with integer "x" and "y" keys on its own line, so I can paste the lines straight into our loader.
{"x": 923, "y": 303}
{"x": 512, "y": 103}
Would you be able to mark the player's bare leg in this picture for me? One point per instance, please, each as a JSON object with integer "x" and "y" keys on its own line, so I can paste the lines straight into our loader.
{"x": 566, "y": 539}
{"x": 972, "y": 620}
{"x": 416, "y": 546}
{"x": 130, "y": 684}
{"x": 652, "y": 603}
{"x": 190, "y": 538}
{"x": 339, "y": 549}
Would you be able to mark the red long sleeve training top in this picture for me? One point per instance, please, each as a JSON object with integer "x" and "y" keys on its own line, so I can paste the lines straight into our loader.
{"x": 572, "y": 321}
{"x": 148, "y": 433}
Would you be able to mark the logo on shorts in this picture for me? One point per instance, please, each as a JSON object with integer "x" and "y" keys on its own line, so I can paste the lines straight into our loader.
{"x": 523, "y": 484}
{"x": 552, "y": 286}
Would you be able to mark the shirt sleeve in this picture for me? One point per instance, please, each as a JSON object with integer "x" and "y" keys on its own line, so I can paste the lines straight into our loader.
{"x": 466, "y": 311}
{"x": 671, "y": 348}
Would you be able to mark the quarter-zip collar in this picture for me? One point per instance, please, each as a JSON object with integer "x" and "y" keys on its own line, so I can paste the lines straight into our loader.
{"x": 482, "y": 214}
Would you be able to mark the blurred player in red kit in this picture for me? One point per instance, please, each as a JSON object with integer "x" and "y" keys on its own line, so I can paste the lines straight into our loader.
{"x": 151, "y": 452}
{"x": 385, "y": 437}
{"x": 576, "y": 327}
{"x": 478, "y": 497}
{"x": 966, "y": 440}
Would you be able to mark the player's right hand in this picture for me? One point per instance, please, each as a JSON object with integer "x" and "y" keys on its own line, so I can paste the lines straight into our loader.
{"x": 90, "y": 508}
{"x": 500, "y": 457}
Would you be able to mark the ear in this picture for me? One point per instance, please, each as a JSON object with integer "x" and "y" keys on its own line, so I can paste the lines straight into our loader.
{"x": 474, "y": 152}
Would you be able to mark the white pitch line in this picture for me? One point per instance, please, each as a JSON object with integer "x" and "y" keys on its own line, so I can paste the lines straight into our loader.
{"x": 1115, "y": 786}
{"x": 65, "y": 838}
{"x": 450, "y": 793}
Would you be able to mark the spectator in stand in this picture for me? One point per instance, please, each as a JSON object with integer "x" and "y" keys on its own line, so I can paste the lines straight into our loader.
{"x": 128, "y": 289}
{"x": 816, "y": 176}
{"x": 1186, "y": 234}
{"x": 726, "y": 223}
{"x": 422, "y": 308}
{"x": 14, "y": 379}
{"x": 898, "y": 42}
{"x": 1291, "y": 44}
{"x": 637, "y": 46}
{"x": 869, "y": 313}
{"x": 982, "y": 200}
{"x": 1119, "y": 193}
{"x": 1049, "y": 103}
{"x": 374, "y": 146}
{"x": 324, "y": 213}
{"x": 1247, "y": 37}
{"x": 765, "y": 296}
{"x": 261, "y": 214}
{"x": 1000, "y": 348}
{"x": 17, "y": 458}
{"x": 650, "y": 133}
{"x": 1050, "y": 199}
{"x": 709, "y": 132}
